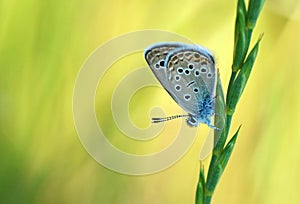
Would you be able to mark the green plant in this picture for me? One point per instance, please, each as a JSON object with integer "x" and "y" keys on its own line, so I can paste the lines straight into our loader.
{"x": 240, "y": 72}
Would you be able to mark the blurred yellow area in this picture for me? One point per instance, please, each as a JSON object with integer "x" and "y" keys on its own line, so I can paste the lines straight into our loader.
{"x": 43, "y": 45}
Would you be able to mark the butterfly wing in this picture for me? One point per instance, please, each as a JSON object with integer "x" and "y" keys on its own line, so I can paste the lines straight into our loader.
{"x": 191, "y": 74}
{"x": 155, "y": 56}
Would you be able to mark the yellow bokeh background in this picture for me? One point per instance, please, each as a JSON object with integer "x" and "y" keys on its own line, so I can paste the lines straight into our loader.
{"x": 43, "y": 44}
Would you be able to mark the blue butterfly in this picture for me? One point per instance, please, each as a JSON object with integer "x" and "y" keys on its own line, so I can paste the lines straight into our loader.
{"x": 188, "y": 74}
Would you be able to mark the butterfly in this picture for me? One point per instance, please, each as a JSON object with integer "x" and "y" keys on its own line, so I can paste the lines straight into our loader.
{"x": 188, "y": 74}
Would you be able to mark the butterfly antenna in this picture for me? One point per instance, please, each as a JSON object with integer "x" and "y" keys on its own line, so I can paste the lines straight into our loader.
{"x": 158, "y": 120}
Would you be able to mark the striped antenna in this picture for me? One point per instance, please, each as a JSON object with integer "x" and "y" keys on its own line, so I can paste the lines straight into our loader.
{"x": 158, "y": 120}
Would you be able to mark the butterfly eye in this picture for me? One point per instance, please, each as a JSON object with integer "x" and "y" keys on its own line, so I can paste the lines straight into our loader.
{"x": 192, "y": 120}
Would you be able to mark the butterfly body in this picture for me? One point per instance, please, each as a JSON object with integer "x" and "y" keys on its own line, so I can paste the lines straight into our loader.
{"x": 188, "y": 74}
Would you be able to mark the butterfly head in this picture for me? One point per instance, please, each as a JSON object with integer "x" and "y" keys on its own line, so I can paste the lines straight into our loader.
{"x": 192, "y": 121}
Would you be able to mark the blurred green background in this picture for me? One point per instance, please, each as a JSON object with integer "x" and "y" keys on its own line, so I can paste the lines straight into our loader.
{"x": 42, "y": 47}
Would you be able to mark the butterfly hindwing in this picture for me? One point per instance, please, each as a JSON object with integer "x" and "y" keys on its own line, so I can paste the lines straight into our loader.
{"x": 191, "y": 73}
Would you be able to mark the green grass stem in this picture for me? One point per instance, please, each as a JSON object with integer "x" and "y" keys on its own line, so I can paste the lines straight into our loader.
{"x": 241, "y": 69}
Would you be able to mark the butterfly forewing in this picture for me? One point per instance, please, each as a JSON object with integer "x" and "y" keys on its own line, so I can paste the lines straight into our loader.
{"x": 155, "y": 57}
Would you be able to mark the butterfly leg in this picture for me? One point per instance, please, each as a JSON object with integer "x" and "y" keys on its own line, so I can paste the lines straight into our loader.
{"x": 208, "y": 123}
{"x": 213, "y": 127}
